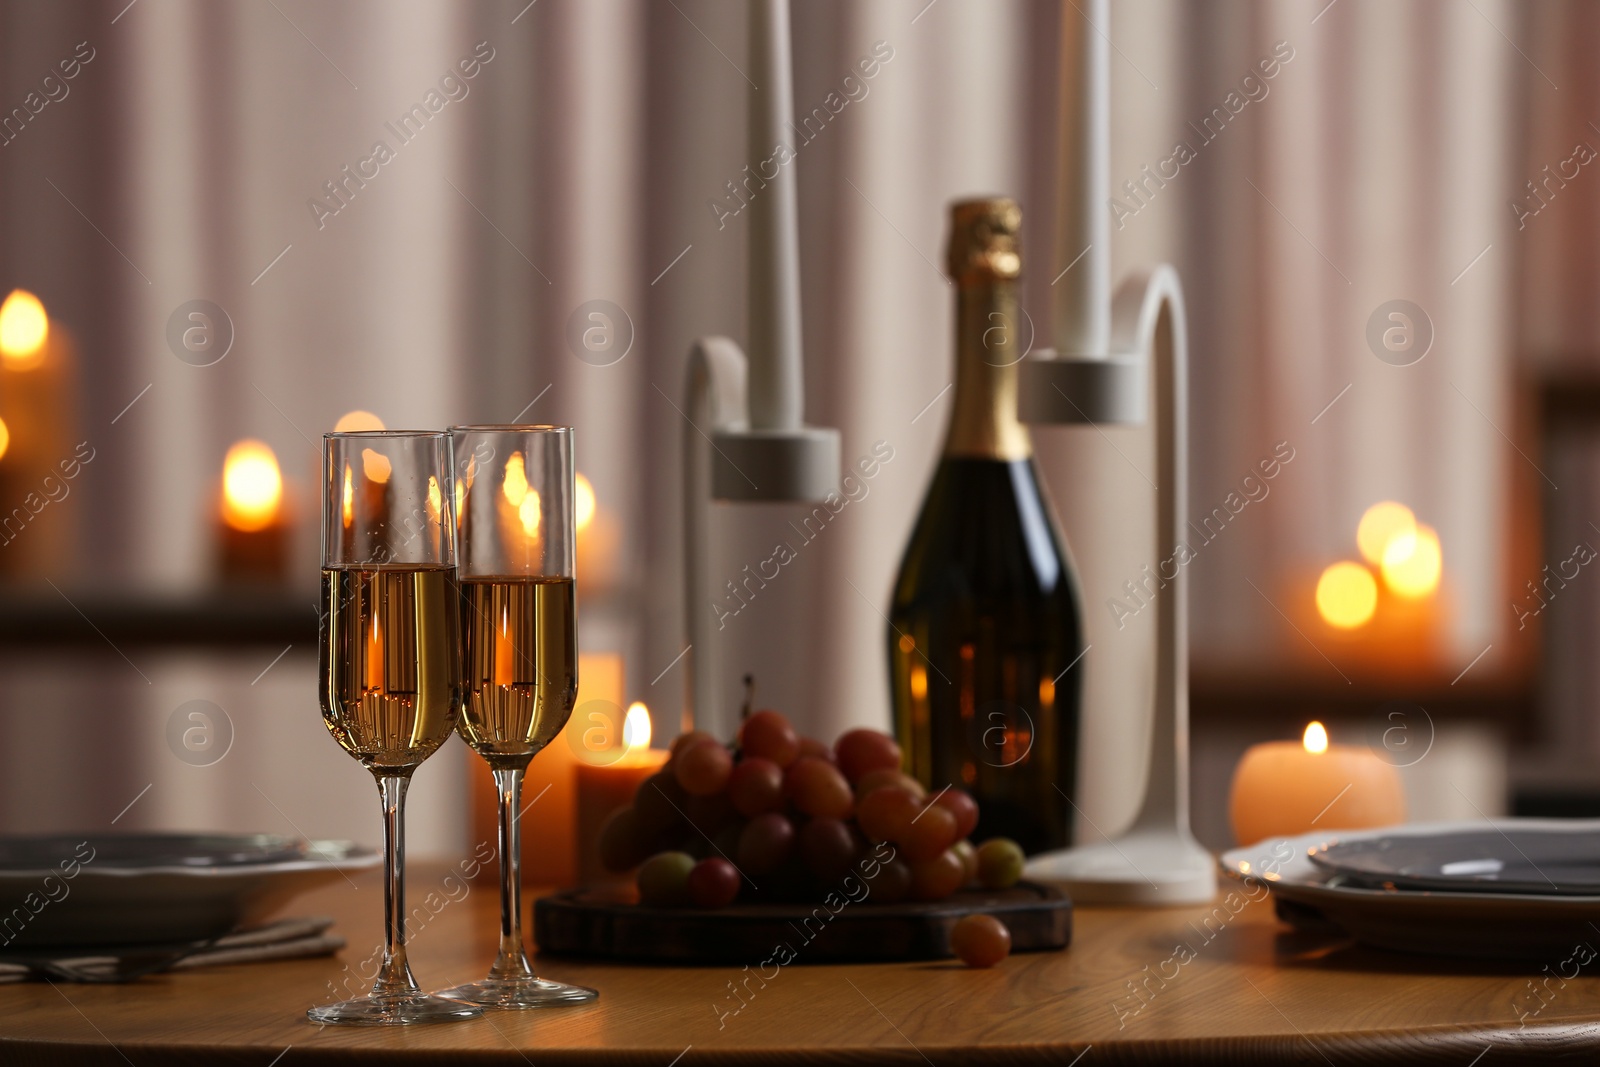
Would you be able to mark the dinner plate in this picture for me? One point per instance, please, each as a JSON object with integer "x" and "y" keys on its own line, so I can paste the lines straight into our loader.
{"x": 1469, "y": 923}
{"x": 144, "y": 889}
{"x": 1562, "y": 860}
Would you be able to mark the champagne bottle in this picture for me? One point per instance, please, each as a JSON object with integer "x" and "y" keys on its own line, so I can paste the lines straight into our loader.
{"x": 985, "y": 629}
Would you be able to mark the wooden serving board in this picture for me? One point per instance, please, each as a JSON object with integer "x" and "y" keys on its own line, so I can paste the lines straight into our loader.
{"x": 609, "y": 924}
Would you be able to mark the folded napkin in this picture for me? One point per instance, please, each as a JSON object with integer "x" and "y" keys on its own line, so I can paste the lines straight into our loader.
{"x": 281, "y": 940}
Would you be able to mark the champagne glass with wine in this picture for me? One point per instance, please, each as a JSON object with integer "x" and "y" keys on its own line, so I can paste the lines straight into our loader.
{"x": 519, "y": 636}
{"x": 390, "y": 660}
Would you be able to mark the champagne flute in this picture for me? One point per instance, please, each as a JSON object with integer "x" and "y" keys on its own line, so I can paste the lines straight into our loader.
{"x": 390, "y": 659}
{"x": 516, "y": 572}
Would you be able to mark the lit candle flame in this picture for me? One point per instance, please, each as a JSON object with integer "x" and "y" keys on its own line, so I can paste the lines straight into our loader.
{"x": 252, "y": 486}
{"x": 1316, "y": 737}
{"x": 636, "y": 727}
{"x": 24, "y": 328}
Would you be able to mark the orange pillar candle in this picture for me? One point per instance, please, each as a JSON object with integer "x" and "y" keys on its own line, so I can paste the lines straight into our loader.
{"x": 1285, "y": 788}
{"x": 607, "y": 781}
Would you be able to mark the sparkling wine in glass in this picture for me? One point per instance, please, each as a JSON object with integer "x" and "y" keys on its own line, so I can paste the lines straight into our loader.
{"x": 390, "y": 667}
{"x": 520, "y": 643}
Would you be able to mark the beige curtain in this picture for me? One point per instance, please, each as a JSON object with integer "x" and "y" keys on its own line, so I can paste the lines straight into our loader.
{"x": 580, "y": 166}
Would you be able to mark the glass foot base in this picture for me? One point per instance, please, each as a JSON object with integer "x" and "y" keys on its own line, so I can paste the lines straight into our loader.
{"x": 529, "y": 992}
{"x": 394, "y": 1010}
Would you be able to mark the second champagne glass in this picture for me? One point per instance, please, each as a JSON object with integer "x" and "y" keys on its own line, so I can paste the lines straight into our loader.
{"x": 516, "y": 570}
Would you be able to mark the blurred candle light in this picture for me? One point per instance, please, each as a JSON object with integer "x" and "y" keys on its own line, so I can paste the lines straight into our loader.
{"x": 355, "y": 421}
{"x": 5, "y": 438}
{"x": 1347, "y": 595}
{"x": 1413, "y": 563}
{"x": 597, "y": 536}
{"x": 584, "y": 503}
{"x": 254, "y": 531}
{"x": 38, "y": 402}
{"x": 1380, "y": 525}
{"x": 24, "y": 329}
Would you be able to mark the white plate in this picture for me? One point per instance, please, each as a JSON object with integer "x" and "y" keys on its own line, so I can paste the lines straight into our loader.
{"x": 149, "y": 889}
{"x": 1494, "y": 925}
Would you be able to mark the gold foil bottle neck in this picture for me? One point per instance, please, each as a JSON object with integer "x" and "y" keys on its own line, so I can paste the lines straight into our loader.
{"x": 985, "y": 240}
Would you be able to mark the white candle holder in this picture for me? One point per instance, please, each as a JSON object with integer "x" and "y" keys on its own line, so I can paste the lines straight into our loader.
{"x": 1100, "y": 376}
{"x": 1157, "y": 861}
{"x": 749, "y": 441}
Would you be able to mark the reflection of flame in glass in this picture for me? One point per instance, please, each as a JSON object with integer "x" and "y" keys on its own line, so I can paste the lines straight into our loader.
{"x": 1380, "y": 524}
{"x": 1412, "y": 563}
{"x": 636, "y": 727}
{"x": 376, "y": 465}
{"x": 515, "y": 483}
{"x": 435, "y": 499}
{"x": 1347, "y": 595}
{"x": 583, "y": 502}
{"x": 24, "y": 328}
{"x": 529, "y": 513}
{"x": 5, "y": 438}
{"x": 252, "y": 486}
{"x": 1316, "y": 737}
{"x": 349, "y": 504}
{"x": 461, "y": 497}
{"x": 352, "y": 421}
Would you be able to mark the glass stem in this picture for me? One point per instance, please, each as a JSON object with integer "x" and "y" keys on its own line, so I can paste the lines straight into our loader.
{"x": 512, "y": 962}
{"x": 394, "y": 979}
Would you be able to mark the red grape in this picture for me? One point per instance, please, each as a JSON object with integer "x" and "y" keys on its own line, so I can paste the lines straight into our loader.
{"x": 980, "y": 940}
{"x": 828, "y": 849}
{"x": 768, "y": 734}
{"x": 960, "y": 804}
{"x": 937, "y": 878}
{"x": 1000, "y": 861}
{"x": 703, "y": 767}
{"x": 659, "y": 806}
{"x": 969, "y": 859}
{"x": 884, "y": 814}
{"x": 816, "y": 787}
{"x": 882, "y": 778}
{"x": 928, "y": 834}
{"x": 620, "y": 847}
{"x": 810, "y": 746}
{"x": 765, "y": 844}
{"x": 756, "y": 786}
{"x": 892, "y": 884}
{"x": 713, "y": 883}
{"x": 683, "y": 741}
{"x": 709, "y": 814}
{"x": 860, "y": 751}
{"x": 664, "y": 879}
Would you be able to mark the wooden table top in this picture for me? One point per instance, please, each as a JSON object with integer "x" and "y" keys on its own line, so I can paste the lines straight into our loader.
{"x": 1245, "y": 989}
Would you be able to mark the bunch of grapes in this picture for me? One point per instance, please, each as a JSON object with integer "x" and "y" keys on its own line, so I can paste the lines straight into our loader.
{"x": 778, "y": 817}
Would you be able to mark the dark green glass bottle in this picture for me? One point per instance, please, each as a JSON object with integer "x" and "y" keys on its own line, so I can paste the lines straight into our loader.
{"x": 985, "y": 629}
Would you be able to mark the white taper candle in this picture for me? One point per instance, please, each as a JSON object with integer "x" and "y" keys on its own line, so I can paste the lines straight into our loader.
{"x": 1083, "y": 228}
{"x": 777, "y": 389}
